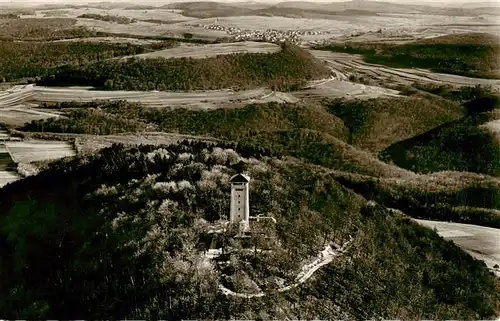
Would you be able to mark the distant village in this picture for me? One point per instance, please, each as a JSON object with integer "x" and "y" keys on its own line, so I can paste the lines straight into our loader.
{"x": 269, "y": 35}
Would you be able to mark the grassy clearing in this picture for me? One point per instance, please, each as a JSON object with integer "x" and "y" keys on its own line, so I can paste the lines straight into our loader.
{"x": 32, "y": 151}
{"x": 473, "y": 55}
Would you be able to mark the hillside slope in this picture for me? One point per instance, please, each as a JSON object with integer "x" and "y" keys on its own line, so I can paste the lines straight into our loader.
{"x": 375, "y": 124}
{"x": 388, "y": 7}
{"x": 288, "y": 69}
{"x": 306, "y": 130}
{"x": 463, "y": 145}
{"x": 208, "y": 9}
{"x": 472, "y": 55}
{"x": 39, "y": 59}
{"x": 339, "y": 134}
{"x": 119, "y": 235}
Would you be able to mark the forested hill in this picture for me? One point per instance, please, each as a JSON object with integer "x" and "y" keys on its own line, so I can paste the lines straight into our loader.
{"x": 454, "y": 145}
{"x": 119, "y": 235}
{"x": 288, "y": 69}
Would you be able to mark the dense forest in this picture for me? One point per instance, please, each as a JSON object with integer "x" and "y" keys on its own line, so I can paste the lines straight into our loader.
{"x": 453, "y": 146}
{"x": 286, "y": 70}
{"x": 38, "y": 28}
{"x": 375, "y": 124}
{"x": 108, "y": 18}
{"x": 9, "y": 16}
{"x": 118, "y": 236}
{"x": 37, "y": 59}
{"x": 473, "y": 55}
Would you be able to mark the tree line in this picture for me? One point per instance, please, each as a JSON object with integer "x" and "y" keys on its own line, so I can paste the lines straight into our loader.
{"x": 108, "y": 18}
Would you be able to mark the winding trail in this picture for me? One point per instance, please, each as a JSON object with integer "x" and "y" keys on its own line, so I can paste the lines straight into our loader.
{"x": 325, "y": 257}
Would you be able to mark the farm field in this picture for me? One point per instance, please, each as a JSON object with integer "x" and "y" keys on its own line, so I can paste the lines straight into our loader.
{"x": 3, "y": 136}
{"x": 165, "y": 22}
{"x": 348, "y": 64}
{"x": 159, "y": 14}
{"x": 6, "y": 173}
{"x": 132, "y": 41}
{"x": 481, "y": 242}
{"x": 414, "y": 26}
{"x": 90, "y": 144}
{"x": 17, "y": 116}
{"x": 142, "y": 28}
{"x": 203, "y": 51}
{"x": 493, "y": 127}
{"x": 7, "y": 177}
{"x": 38, "y": 150}
{"x": 31, "y": 93}
{"x": 338, "y": 88}
{"x": 16, "y": 105}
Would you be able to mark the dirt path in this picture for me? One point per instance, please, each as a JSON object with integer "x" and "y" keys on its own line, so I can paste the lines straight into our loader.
{"x": 325, "y": 257}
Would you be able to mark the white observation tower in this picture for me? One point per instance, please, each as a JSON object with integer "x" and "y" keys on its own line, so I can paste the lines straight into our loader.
{"x": 240, "y": 205}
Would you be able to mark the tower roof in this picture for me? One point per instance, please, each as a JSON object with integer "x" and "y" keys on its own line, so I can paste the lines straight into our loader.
{"x": 240, "y": 178}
